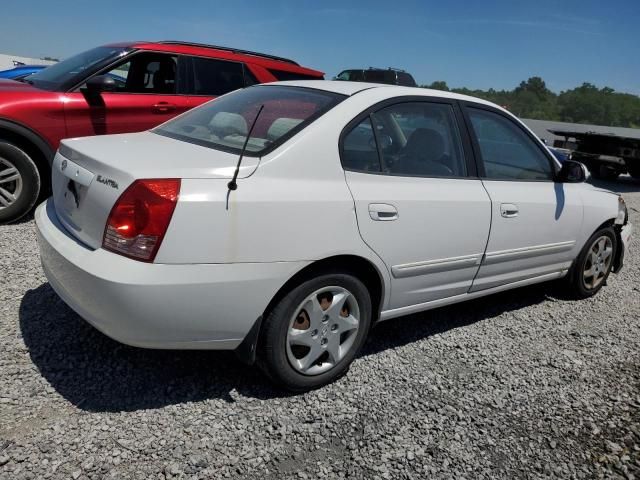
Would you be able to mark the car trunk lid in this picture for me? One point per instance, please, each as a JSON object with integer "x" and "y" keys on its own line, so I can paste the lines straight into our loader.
{"x": 90, "y": 174}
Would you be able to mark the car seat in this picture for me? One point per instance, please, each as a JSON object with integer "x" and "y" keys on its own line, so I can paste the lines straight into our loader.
{"x": 423, "y": 154}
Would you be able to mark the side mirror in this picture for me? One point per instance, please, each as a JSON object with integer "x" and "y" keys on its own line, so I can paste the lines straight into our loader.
{"x": 100, "y": 83}
{"x": 572, "y": 172}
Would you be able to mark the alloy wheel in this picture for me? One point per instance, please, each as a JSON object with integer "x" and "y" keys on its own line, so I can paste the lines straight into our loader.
{"x": 10, "y": 183}
{"x": 322, "y": 330}
{"x": 597, "y": 262}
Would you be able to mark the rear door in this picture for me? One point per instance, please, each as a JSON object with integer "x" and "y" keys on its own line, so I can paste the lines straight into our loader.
{"x": 535, "y": 221}
{"x": 419, "y": 204}
{"x": 149, "y": 91}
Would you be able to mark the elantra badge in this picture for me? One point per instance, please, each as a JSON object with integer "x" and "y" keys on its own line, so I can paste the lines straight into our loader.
{"x": 107, "y": 181}
{"x": 63, "y": 165}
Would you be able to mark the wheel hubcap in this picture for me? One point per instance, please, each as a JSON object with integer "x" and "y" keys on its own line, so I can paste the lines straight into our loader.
{"x": 10, "y": 184}
{"x": 597, "y": 263}
{"x": 322, "y": 330}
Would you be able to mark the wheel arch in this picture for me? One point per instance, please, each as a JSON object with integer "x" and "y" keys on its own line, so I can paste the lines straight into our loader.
{"x": 355, "y": 265}
{"x": 610, "y": 223}
{"x": 31, "y": 143}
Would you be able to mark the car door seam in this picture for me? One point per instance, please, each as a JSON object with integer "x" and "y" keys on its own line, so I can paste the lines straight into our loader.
{"x": 389, "y": 287}
{"x": 486, "y": 246}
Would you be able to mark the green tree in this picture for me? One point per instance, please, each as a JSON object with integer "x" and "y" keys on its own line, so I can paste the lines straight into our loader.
{"x": 584, "y": 104}
{"x": 438, "y": 85}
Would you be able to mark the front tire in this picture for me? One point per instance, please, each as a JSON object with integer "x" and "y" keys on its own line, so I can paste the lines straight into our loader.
{"x": 19, "y": 183}
{"x": 312, "y": 335}
{"x": 591, "y": 269}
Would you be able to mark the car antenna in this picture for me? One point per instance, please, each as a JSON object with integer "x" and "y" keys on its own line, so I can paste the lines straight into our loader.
{"x": 233, "y": 184}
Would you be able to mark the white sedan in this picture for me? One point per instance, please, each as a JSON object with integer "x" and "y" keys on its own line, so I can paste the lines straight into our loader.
{"x": 283, "y": 220}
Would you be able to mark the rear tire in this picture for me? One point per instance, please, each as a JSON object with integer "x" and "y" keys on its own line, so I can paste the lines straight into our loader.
{"x": 591, "y": 269}
{"x": 19, "y": 183}
{"x": 302, "y": 350}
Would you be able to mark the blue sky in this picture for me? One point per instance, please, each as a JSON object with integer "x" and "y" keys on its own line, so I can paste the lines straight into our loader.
{"x": 466, "y": 43}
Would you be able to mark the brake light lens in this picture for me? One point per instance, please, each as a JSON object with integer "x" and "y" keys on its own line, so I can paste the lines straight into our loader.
{"x": 139, "y": 219}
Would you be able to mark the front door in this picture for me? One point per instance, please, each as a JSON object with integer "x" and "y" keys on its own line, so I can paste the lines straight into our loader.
{"x": 417, "y": 206}
{"x": 535, "y": 221}
{"x": 146, "y": 95}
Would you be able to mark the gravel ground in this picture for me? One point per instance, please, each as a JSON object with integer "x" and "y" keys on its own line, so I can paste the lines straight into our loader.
{"x": 523, "y": 384}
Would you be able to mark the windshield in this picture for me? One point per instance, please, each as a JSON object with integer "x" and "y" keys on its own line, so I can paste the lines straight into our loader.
{"x": 224, "y": 123}
{"x": 351, "y": 75}
{"x": 70, "y": 71}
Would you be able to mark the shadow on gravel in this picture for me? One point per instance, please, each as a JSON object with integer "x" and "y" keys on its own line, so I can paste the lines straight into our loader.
{"x": 96, "y": 373}
{"x": 408, "y": 329}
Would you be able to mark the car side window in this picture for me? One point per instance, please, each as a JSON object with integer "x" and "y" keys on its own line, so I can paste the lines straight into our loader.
{"x": 216, "y": 77}
{"x": 421, "y": 139}
{"x": 146, "y": 72}
{"x": 507, "y": 152}
{"x": 359, "y": 150}
{"x": 412, "y": 139}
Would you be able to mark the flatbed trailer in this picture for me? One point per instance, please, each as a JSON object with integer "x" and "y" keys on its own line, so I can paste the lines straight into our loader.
{"x": 606, "y": 155}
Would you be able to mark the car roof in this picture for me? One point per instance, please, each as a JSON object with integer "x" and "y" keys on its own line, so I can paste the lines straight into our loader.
{"x": 188, "y": 48}
{"x": 351, "y": 88}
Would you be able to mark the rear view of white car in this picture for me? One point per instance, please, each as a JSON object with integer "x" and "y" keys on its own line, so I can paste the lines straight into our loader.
{"x": 283, "y": 220}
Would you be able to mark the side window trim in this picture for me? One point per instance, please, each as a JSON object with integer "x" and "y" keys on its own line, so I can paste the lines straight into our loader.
{"x": 466, "y": 105}
{"x": 466, "y": 144}
{"x": 185, "y": 66}
{"x": 376, "y": 139}
{"x": 470, "y": 157}
{"x": 247, "y": 74}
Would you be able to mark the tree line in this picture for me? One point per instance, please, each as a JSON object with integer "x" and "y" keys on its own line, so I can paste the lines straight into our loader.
{"x": 584, "y": 104}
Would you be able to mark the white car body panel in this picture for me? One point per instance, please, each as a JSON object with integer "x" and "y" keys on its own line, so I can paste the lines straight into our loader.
{"x": 541, "y": 237}
{"x": 129, "y": 159}
{"x": 221, "y": 264}
{"x": 435, "y": 245}
{"x": 143, "y": 304}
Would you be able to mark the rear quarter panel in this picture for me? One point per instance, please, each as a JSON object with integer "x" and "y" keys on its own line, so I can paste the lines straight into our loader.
{"x": 295, "y": 207}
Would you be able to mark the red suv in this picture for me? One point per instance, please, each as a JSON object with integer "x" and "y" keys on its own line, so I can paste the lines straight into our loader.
{"x": 125, "y": 87}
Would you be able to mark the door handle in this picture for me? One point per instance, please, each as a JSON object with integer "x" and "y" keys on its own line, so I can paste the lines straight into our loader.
{"x": 383, "y": 212}
{"x": 164, "y": 107}
{"x": 508, "y": 210}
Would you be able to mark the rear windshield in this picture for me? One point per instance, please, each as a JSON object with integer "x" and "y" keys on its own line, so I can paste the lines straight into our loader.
{"x": 224, "y": 123}
{"x": 406, "y": 80}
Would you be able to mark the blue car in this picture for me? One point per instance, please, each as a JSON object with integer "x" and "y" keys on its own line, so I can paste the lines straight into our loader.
{"x": 21, "y": 71}
{"x": 561, "y": 154}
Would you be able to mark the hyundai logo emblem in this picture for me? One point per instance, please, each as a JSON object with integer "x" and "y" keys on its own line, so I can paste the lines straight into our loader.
{"x": 63, "y": 165}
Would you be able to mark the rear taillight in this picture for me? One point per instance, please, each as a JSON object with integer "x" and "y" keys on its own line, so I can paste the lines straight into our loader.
{"x": 140, "y": 218}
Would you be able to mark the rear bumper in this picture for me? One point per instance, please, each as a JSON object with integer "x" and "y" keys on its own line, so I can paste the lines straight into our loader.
{"x": 195, "y": 306}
